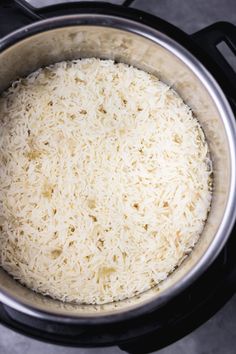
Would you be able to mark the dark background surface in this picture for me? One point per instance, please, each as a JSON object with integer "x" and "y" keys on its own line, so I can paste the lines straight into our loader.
{"x": 218, "y": 335}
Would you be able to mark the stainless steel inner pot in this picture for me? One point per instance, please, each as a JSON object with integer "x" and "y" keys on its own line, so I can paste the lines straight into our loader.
{"x": 104, "y": 36}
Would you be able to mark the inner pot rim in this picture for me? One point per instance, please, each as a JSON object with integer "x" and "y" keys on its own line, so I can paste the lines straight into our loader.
{"x": 227, "y": 116}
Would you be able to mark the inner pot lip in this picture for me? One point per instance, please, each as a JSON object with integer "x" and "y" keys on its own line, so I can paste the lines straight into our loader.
{"x": 208, "y": 81}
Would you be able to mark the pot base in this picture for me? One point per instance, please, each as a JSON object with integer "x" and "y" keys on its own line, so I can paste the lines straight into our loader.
{"x": 146, "y": 333}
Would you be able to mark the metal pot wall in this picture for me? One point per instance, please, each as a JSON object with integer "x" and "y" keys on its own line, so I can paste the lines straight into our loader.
{"x": 133, "y": 37}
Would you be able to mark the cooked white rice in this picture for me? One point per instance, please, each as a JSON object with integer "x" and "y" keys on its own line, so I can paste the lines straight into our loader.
{"x": 104, "y": 181}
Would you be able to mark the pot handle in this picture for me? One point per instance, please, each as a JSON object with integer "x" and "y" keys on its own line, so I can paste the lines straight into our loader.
{"x": 55, "y": 9}
{"x": 208, "y": 40}
{"x": 31, "y": 11}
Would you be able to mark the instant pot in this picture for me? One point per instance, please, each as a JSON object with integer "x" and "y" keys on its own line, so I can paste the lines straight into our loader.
{"x": 195, "y": 68}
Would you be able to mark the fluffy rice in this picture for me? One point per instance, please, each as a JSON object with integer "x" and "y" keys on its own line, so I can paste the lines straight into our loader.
{"x": 104, "y": 181}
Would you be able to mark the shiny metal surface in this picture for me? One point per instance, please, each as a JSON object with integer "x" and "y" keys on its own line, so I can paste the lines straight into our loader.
{"x": 104, "y": 36}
